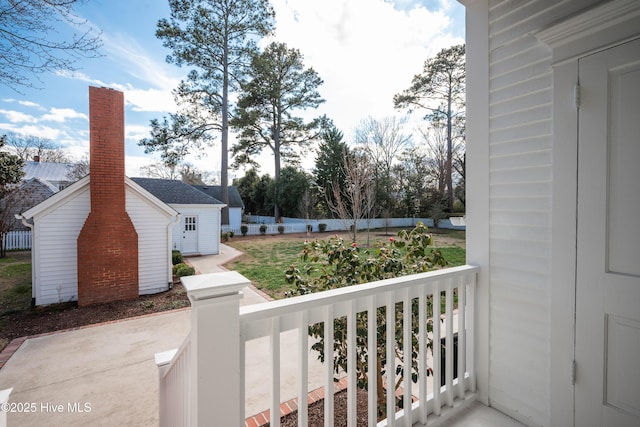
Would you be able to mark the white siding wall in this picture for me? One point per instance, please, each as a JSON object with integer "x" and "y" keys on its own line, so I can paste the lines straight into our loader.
{"x": 208, "y": 226}
{"x": 520, "y": 158}
{"x": 153, "y": 244}
{"x": 56, "y": 246}
{"x": 235, "y": 218}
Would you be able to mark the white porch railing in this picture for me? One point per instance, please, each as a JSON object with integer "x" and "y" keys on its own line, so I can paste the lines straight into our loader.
{"x": 211, "y": 391}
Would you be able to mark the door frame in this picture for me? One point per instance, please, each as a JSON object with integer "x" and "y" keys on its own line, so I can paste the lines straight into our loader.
{"x": 594, "y": 30}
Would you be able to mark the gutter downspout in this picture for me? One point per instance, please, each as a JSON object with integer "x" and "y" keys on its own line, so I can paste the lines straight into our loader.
{"x": 33, "y": 264}
{"x": 170, "y": 225}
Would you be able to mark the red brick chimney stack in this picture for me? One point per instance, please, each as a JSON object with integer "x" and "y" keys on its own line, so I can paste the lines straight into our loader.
{"x": 108, "y": 242}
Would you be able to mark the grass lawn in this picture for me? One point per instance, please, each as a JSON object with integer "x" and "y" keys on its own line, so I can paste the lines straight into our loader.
{"x": 266, "y": 258}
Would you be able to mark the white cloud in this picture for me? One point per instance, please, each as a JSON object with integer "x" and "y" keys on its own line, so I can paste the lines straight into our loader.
{"x": 140, "y": 100}
{"x": 60, "y": 115}
{"x": 31, "y": 104}
{"x": 365, "y": 50}
{"x": 31, "y": 130}
{"x": 18, "y": 117}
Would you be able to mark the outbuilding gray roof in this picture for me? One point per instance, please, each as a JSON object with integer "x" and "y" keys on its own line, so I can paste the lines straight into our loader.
{"x": 171, "y": 191}
{"x": 215, "y": 191}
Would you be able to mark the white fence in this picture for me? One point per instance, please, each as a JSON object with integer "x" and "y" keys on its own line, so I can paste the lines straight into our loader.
{"x": 298, "y": 225}
{"x": 17, "y": 240}
{"x": 221, "y": 330}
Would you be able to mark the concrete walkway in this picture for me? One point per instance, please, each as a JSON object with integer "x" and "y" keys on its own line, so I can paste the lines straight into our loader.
{"x": 106, "y": 375}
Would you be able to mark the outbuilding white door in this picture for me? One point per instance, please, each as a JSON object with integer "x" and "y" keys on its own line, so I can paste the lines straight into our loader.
{"x": 607, "y": 390}
{"x": 189, "y": 234}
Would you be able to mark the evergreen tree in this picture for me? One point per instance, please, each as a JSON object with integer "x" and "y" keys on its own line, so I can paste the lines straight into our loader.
{"x": 217, "y": 39}
{"x": 279, "y": 85}
{"x": 329, "y": 166}
{"x": 440, "y": 89}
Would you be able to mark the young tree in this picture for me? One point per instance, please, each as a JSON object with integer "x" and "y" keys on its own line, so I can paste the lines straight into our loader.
{"x": 29, "y": 45}
{"x": 329, "y": 165}
{"x": 279, "y": 85}
{"x": 440, "y": 89}
{"x": 11, "y": 172}
{"x": 382, "y": 140}
{"x": 216, "y": 38}
{"x": 355, "y": 201}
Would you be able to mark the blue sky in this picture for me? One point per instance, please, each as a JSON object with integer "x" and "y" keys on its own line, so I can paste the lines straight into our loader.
{"x": 364, "y": 50}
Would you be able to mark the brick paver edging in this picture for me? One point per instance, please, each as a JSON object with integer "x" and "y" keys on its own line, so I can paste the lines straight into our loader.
{"x": 262, "y": 419}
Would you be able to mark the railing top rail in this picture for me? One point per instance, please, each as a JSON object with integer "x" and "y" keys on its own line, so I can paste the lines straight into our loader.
{"x": 258, "y": 312}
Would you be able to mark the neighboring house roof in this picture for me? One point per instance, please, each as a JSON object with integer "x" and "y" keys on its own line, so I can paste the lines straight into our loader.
{"x": 175, "y": 192}
{"x": 52, "y": 172}
{"x": 215, "y": 191}
{"x": 30, "y": 193}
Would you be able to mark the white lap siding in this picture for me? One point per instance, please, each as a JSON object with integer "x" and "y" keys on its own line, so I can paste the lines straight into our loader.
{"x": 207, "y": 226}
{"x": 56, "y": 235}
{"x": 153, "y": 244}
{"x": 520, "y": 159}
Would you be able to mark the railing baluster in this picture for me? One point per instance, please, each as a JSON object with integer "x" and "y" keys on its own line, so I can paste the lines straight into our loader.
{"x": 275, "y": 372}
{"x": 372, "y": 359}
{"x": 471, "y": 333}
{"x": 449, "y": 343}
{"x": 437, "y": 349}
{"x": 422, "y": 355}
{"x": 351, "y": 364}
{"x": 462, "y": 334}
{"x": 243, "y": 376}
{"x": 391, "y": 360}
{"x": 303, "y": 358}
{"x": 407, "y": 350}
{"x": 328, "y": 366}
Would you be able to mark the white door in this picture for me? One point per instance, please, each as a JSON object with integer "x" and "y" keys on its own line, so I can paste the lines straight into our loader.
{"x": 607, "y": 390}
{"x": 189, "y": 235}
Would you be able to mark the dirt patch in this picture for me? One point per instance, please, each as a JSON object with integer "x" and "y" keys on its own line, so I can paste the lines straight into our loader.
{"x": 19, "y": 319}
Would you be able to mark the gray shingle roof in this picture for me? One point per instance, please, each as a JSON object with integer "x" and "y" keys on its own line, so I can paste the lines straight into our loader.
{"x": 215, "y": 191}
{"x": 175, "y": 192}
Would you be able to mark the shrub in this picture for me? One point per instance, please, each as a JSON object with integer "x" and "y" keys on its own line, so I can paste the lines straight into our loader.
{"x": 309, "y": 228}
{"x": 263, "y": 229}
{"x": 281, "y": 229}
{"x": 322, "y": 227}
{"x": 244, "y": 229}
{"x": 224, "y": 236}
{"x": 183, "y": 269}
{"x": 176, "y": 257}
{"x": 231, "y": 234}
{"x": 334, "y": 264}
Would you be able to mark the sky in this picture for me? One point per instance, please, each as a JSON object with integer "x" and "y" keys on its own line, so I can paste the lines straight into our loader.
{"x": 365, "y": 51}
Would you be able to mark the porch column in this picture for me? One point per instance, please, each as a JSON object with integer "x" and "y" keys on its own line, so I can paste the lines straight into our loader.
{"x": 215, "y": 348}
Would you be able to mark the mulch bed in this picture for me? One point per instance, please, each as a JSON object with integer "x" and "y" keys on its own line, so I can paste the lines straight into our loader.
{"x": 316, "y": 411}
{"x": 55, "y": 317}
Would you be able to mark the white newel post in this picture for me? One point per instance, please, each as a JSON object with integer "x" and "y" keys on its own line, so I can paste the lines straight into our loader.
{"x": 4, "y": 398}
{"x": 215, "y": 347}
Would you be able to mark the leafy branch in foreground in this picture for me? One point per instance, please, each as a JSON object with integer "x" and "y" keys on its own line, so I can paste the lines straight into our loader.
{"x": 333, "y": 264}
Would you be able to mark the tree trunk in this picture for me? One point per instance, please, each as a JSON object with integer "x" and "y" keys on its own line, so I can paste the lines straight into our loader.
{"x": 224, "y": 140}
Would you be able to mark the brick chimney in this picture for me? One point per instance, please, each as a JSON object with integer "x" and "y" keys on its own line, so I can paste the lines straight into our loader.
{"x": 108, "y": 242}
